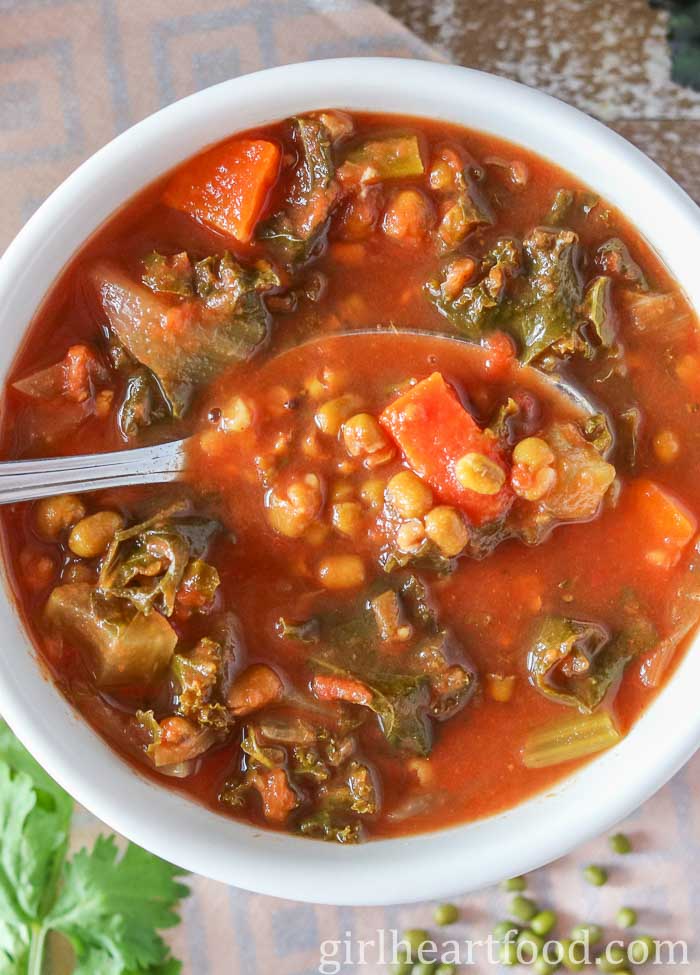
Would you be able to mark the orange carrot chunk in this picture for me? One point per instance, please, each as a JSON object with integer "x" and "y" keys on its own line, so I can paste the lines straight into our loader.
{"x": 228, "y": 186}
{"x": 667, "y": 525}
{"x": 334, "y": 688}
{"x": 435, "y": 433}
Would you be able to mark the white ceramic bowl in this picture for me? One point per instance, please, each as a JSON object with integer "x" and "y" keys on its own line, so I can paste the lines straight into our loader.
{"x": 435, "y": 864}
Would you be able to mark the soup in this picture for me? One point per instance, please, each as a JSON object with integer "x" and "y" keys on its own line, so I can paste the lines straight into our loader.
{"x": 434, "y": 544}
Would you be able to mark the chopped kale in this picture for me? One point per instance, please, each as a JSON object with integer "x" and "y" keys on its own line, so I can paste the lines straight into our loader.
{"x": 328, "y": 825}
{"x": 171, "y": 275}
{"x": 143, "y": 403}
{"x": 199, "y": 677}
{"x": 597, "y": 432}
{"x": 296, "y": 232}
{"x": 576, "y": 662}
{"x": 545, "y": 311}
{"x": 615, "y": 259}
{"x": 306, "y": 632}
{"x": 474, "y": 311}
{"x": 401, "y": 702}
{"x": 259, "y": 755}
{"x": 175, "y": 753}
{"x": 533, "y": 294}
{"x": 147, "y": 563}
{"x": 433, "y": 680}
{"x": 224, "y": 321}
{"x": 561, "y": 206}
{"x": 597, "y": 308}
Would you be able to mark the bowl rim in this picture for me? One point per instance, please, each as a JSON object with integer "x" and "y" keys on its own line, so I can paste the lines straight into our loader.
{"x": 428, "y": 865}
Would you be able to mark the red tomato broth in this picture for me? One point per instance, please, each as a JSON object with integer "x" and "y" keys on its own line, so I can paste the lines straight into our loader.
{"x": 491, "y": 604}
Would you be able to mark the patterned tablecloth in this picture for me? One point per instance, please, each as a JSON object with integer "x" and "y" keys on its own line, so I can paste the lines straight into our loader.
{"x": 73, "y": 73}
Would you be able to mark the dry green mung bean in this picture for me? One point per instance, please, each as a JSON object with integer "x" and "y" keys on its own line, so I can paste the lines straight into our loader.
{"x": 514, "y": 885}
{"x": 523, "y": 908}
{"x": 641, "y": 950}
{"x": 530, "y": 945}
{"x": 613, "y": 958}
{"x": 543, "y": 922}
{"x": 446, "y": 914}
{"x": 505, "y": 930}
{"x": 626, "y": 917}
{"x": 415, "y": 937}
{"x": 508, "y": 954}
{"x": 590, "y": 933}
{"x": 573, "y": 955}
{"x": 620, "y": 843}
{"x": 595, "y": 875}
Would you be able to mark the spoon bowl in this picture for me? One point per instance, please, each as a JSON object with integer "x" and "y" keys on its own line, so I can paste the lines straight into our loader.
{"x": 26, "y": 480}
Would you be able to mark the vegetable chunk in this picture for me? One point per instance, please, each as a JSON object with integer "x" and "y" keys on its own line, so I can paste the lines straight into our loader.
{"x": 435, "y": 433}
{"x": 668, "y": 525}
{"x": 570, "y": 739}
{"x": 228, "y": 186}
{"x": 122, "y": 646}
{"x": 185, "y": 342}
{"x": 390, "y": 157}
{"x": 295, "y": 231}
{"x": 583, "y": 478}
{"x": 146, "y": 563}
{"x": 576, "y": 662}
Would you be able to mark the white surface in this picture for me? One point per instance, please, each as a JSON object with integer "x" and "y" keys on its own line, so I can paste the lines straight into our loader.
{"x": 432, "y": 865}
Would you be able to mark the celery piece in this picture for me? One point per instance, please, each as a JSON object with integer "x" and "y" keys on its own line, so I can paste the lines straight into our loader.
{"x": 570, "y": 739}
{"x": 391, "y": 157}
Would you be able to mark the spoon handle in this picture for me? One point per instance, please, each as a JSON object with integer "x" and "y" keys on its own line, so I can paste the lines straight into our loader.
{"x": 23, "y": 480}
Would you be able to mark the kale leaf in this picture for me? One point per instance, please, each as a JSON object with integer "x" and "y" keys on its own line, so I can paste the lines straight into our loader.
{"x": 297, "y": 231}
{"x": 576, "y": 662}
{"x": 430, "y": 680}
{"x": 147, "y": 563}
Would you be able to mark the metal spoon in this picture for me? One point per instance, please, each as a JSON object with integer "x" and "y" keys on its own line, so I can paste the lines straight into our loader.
{"x": 24, "y": 480}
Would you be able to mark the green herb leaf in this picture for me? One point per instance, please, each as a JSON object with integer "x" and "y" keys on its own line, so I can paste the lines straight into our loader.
{"x": 35, "y": 817}
{"x": 110, "y": 907}
{"x": 118, "y": 903}
{"x": 99, "y": 962}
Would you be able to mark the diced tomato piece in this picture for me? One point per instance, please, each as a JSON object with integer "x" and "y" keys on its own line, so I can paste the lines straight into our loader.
{"x": 228, "y": 186}
{"x": 501, "y": 354}
{"x": 277, "y": 796}
{"x": 333, "y": 688}
{"x": 434, "y": 431}
{"x": 667, "y": 526}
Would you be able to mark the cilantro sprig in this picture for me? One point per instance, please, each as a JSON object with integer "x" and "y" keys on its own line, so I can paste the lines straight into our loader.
{"x": 111, "y": 905}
